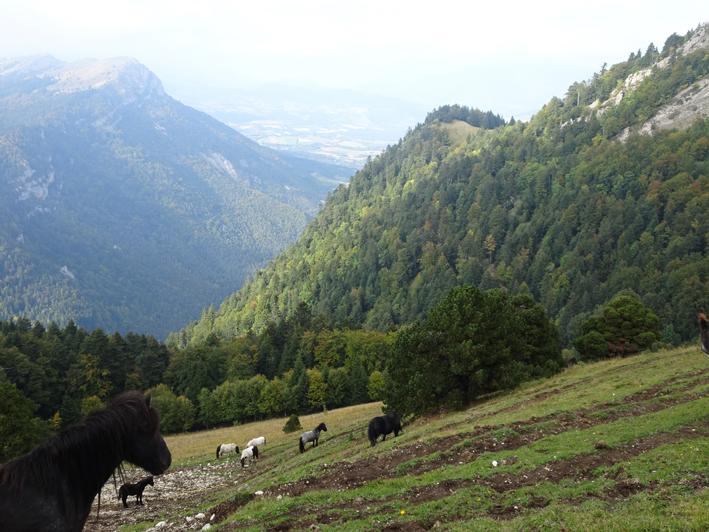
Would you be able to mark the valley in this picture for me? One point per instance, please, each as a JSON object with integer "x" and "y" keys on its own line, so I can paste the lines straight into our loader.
{"x": 340, "y": 127}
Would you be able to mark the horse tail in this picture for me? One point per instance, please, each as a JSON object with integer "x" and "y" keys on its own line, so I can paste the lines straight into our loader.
{"x": 302, "y": 447}
{"x": 218, "y": 450}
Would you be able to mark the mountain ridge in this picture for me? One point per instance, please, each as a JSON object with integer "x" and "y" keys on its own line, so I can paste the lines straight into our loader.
{"x": 103, "y": 174}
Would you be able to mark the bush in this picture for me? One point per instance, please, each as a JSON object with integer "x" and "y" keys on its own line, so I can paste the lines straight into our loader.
{"x": 292, "y": 425}
{"x": 591, "y": 346}
{"x": 473, "y": 343}
{"x": 625, "y": 321}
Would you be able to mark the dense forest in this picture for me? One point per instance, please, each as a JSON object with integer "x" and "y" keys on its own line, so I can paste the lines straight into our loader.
{"x": 555, "y": 207}
{"x": 297, "y": 365}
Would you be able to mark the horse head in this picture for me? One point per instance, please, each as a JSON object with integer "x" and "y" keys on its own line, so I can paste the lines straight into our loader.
{"x": 146, "y": 448}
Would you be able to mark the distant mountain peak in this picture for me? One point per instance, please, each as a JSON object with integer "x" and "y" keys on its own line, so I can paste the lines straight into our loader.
{"x": 130, "y": 77}
{"x": 127, "y": 75}
{"x": 29, "y": 65}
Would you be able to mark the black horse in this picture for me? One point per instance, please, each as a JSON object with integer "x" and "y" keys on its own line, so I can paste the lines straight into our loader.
{"x": 134, "y": 489}
{"x": 383, "y": 425}
{"x": 52, "y": 487}
{"x": 311, "y": 436}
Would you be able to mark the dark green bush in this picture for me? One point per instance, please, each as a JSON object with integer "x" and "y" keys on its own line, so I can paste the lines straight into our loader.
{"x": 473, "y": 343}
{"x": 625, "y": 322}
{"x": 292, "y": 425}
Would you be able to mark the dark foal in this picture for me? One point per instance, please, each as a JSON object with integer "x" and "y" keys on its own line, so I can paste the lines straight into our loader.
{"x": 134, "y": 489}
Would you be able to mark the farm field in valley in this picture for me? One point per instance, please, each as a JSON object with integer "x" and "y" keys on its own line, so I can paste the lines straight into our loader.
{"x": 616, "y": 445}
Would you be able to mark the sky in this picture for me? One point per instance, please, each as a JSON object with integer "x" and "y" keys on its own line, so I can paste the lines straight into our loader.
{"x": 510, "y": 57}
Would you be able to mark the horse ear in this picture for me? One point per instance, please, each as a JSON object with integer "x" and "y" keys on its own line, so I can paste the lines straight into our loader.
{"x": 147, "y": 400}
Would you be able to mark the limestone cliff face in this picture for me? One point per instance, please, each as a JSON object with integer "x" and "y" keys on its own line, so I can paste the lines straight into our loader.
{"x": 683, "y": 108}
{"x": 679, "y": 112}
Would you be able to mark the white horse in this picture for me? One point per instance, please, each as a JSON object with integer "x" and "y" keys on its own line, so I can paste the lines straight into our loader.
{"x": 225, "y": 448}
{"x": 249, "y": 452}
{"x": 257, "y": 441}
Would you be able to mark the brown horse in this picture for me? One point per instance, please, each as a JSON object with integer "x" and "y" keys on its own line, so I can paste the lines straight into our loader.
{"x": 134, "y": 489}
{"x": 703, "y": 331}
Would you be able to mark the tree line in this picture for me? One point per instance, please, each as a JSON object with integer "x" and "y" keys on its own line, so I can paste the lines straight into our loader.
{"x": 293, "y": 366}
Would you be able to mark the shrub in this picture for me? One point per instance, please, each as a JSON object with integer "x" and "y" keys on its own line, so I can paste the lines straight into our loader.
{"x": 625, "y": 321}
{"x": 292, "y": 425}
{"x": 473, "y": 343}
{"x": 591, "y": 346}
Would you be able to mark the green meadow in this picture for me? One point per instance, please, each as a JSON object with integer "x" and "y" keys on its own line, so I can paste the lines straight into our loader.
{"x": 615, "y": 445}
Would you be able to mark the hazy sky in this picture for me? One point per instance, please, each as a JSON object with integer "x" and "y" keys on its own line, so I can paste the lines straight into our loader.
{"x": 508, "y": 56}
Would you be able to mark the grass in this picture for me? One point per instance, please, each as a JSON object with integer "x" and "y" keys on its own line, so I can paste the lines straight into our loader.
{"x": 458, "y": 130}
{"x": 617, "y": 445}
{"x": 196, "y": 446}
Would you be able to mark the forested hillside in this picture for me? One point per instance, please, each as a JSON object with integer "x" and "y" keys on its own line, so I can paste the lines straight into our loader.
{"x": 126, "y": 210}
{"x": 559, "y": 208}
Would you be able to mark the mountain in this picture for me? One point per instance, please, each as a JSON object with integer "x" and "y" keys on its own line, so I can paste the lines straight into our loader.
{"x": 127, "y": 210}
{"x": 340, "y": 126}
{"x": 595, "y": 196}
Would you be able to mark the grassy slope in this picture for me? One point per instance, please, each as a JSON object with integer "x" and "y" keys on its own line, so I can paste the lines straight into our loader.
{"x": 618, "y": 445}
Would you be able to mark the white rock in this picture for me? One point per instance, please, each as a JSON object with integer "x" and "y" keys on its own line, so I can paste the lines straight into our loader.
{"x": 206, "y": 527}
{"x": 161, "y": 524}
{"x": 494, "y": 463}
{"x": 200, "y": 516}
{"x": 259, "y": 492}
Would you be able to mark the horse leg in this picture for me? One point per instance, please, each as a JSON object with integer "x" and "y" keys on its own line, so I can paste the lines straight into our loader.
{"x": 124, "y": 496}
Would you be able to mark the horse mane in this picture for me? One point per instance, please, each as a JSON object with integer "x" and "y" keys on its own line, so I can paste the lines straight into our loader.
{"x": 77, "y": 452}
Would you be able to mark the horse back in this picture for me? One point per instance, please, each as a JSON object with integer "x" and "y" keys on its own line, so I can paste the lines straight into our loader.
{"x": 31, "y": 510}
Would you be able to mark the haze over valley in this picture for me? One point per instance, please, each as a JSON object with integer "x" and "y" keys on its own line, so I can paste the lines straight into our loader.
{"x": 335, "y": 126}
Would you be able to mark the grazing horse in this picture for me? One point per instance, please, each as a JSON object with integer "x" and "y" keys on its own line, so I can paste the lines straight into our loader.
{"x": 51, "y": 488}
{"x": 225, "y": 448}
{"x": 134, "y": 489}
{"x": 383, "y": 425}
{"x": 703, "y": 331}
{"x": 250, "y": 452}
{"x": 311, "y": 436}
{"x": 257, "y": 441}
